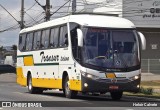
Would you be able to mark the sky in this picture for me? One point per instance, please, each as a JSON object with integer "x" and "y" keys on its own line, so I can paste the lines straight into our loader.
{"x": 33, "y": 14}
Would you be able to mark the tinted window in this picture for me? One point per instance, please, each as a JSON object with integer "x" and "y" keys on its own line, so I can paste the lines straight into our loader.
{"x": 37, "y": 36}
{"x": 29, "y": 41}
{"x": 54, "y": 37}
{"x": 45, "y": 39}
{"x": 63, "y": 37}
{"x": 22, "y": 40}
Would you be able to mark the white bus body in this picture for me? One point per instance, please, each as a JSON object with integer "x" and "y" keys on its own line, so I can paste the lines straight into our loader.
{"x": 54, "y": 55}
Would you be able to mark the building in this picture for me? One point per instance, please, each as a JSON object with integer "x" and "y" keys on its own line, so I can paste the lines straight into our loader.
{"x": 145, "y": 14}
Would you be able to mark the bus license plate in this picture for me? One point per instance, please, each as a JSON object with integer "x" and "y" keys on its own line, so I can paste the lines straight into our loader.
{"x": 113, "y": 87}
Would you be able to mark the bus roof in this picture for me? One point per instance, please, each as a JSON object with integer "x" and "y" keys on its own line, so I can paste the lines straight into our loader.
{"x": 85, "y": 20}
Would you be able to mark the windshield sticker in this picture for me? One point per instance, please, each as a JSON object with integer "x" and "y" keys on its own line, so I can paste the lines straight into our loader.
{"x": 97, "y": 30}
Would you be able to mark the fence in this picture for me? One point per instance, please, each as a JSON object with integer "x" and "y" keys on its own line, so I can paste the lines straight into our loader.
{"x": 150, "y": 66}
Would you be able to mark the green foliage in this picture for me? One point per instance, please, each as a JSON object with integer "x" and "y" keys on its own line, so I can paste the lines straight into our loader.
{"x": 14, "y": 47}
{"x": 147, "y": 91}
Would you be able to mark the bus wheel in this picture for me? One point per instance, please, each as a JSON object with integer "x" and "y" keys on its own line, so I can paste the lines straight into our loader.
{"x": 116, "y": 95}
{"x": 31, "y": 89}
{"x": 69, "y": 93}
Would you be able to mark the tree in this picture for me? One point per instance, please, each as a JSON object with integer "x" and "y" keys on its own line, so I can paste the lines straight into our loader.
{"x": 1, "y": 52}
{"x": 1, "y": 48}
{"x": 14, "y": 47}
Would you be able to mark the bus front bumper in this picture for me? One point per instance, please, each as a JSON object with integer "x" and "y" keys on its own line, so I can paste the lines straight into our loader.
{"x": 108, "y": 85}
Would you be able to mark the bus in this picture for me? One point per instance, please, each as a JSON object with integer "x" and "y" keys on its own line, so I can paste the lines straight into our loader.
{"x": 81, "y": 53}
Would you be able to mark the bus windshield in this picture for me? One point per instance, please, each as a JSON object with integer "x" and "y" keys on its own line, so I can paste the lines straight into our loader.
{"x": 110, "y": 48}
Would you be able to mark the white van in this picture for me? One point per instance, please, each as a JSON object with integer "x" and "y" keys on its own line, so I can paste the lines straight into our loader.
{"x": 8, "y": 60}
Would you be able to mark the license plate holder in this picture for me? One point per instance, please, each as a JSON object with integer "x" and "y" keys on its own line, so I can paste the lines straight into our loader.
{"x": 113, "y": 87}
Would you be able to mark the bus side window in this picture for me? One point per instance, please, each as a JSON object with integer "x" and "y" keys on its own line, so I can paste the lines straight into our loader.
{"x": 22, "y": 40}
{"x": 29, "y": 41}
{"x": 54, "y": 37}
{"x": 45, "y": 39}
{"x": 36, "y": 43}
{"x": 63, "y": 42}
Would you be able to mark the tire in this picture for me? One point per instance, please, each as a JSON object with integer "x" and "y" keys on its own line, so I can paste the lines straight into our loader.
{"x": 31, "y": 89}
{"x": 116, "y": 95}
{"x": 68, "y": 93}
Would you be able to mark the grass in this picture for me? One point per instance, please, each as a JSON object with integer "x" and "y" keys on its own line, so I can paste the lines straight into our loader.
{"x": 147, "y": 85}
{"x": 154, "y": 95}
{"x": 151, "y": 83}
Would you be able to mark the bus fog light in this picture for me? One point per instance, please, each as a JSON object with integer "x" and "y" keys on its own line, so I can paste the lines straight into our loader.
{"x": 85, "y": 85}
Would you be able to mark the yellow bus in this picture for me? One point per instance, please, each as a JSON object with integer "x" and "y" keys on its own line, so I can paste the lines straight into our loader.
{"x": 81, "y": 53}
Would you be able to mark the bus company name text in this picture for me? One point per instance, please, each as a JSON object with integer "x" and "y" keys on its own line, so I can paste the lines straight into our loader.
{"x": 50, "y": 58}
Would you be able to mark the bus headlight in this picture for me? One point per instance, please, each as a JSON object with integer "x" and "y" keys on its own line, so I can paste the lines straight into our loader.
{"x": 135, "y": 77}
{"x": 88, "y": 75}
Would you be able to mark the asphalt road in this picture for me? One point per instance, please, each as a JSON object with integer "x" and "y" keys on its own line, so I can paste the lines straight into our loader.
{"x": 10, "y": 91}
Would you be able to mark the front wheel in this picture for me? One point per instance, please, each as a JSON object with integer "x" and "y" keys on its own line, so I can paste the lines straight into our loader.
{"x": 31, "y": 89}
{"x": 69, "y": 93}
{"x": 116, "y": 95}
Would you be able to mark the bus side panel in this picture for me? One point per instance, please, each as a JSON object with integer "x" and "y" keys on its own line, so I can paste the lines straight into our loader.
{"x": 20, "y": 77}
{"x": 75, "y": 81}
{"x": 47, "y": 83}
{"x": 75, "y": 84}
{"x": 46, "y": 76}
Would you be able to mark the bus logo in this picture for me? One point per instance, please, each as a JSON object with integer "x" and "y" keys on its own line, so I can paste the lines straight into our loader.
{"x": 114, "y": 80}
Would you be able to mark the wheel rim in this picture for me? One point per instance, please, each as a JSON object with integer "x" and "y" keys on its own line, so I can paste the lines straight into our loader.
{"x": 30, "y": 84}
{"x": 67, "y": 90}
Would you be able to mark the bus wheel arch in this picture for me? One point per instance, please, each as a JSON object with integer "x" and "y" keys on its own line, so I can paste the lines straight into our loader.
{"x": 64, "y": 75}
{"x": 65, "y": 85}
{"x": 31, "y": 88}
{"x": 28, "y": 75}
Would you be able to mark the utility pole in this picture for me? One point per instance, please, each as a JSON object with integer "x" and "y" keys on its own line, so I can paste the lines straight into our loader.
{"x": 74, "y": 6}
{"x": 22, "y": 14}
{"x": 47, "y": 10}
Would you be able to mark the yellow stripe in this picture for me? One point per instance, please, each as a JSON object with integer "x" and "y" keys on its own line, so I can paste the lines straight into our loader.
{"x": 47, "y": 83}
{"x": 28, "y": 61}
{"x": 55, "y": 83}
{"x": 20, "y": 77}
{"x": 75, "y": 85}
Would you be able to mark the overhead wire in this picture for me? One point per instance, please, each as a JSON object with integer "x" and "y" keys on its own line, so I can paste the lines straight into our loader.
{"x": 60, "y": 7}
{"x": 31, "y": 6}
{"x": 128, "y": 13}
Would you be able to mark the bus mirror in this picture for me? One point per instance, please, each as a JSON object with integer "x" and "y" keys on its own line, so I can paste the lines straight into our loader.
{"x": 80, "y": 37}
{"x": 143, "y": 40}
